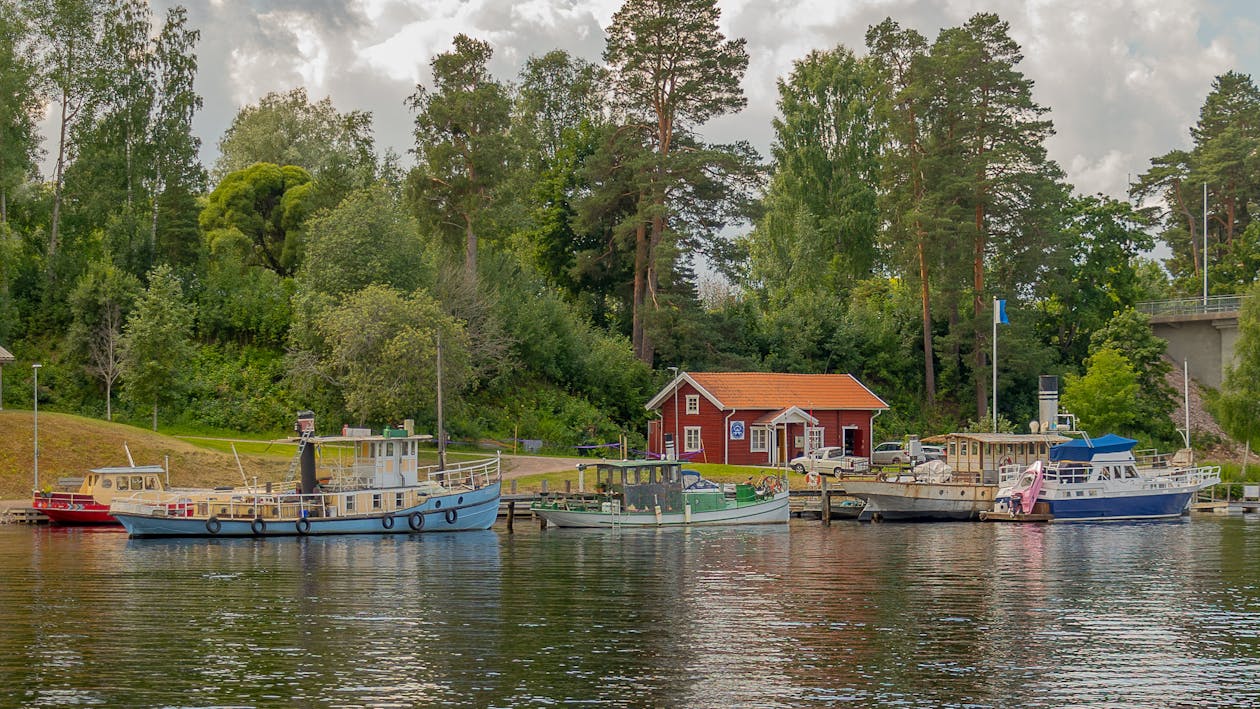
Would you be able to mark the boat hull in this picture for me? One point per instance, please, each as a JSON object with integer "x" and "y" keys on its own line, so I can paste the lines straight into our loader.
{"x": 773, "y": 511}
{"x": 73, "y": 514}
{"x": 921, "y": 501}
{"x": 439, "y": 513}
{"x": 1116, "y": 507}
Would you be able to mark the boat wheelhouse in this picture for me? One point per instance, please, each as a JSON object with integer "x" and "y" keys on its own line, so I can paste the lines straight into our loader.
{"x": 659, "y": 493}
{"x": 89, "y": 503}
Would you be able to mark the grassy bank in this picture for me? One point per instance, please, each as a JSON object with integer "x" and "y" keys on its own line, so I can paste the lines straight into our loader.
{"x": 70, "y": 445}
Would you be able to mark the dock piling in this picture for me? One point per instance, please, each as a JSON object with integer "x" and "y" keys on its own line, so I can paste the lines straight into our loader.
{"x": 826, "y": 501}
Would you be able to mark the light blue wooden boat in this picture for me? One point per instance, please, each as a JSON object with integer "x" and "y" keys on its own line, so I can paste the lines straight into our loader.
{"x": 370, "y": 484}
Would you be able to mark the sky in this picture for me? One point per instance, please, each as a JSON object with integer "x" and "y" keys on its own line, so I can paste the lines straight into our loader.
{"x": 1123, "y": 79}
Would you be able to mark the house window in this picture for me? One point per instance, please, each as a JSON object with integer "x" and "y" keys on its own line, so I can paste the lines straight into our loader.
{"x": 691, "y": 439}
{"x": 815, "y": 436}
{"x": 759, "y": 441}
{"x": 693, "y": 403}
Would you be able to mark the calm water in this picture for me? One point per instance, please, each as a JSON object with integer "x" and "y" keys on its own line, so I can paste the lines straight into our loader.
{"x": 1157, "y": 614}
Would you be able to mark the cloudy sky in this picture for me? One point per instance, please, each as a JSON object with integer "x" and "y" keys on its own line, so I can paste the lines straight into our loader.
{"x": 1123, "y": 78}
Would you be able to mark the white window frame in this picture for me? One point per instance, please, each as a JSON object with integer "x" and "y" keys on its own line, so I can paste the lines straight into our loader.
{"x": 693, "y": 403}
{"x": 814, "y": 437}
{"x": 692, "y": 441}
{"x": 756, "y": 433}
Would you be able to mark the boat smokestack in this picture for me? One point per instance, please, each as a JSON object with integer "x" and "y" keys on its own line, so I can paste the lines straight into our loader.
{"x": 305, "y": 428}
{"x": 1048, "y": 401}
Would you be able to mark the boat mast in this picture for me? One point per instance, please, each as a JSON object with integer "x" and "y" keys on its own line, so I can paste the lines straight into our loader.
{"x": 440, "y": 423}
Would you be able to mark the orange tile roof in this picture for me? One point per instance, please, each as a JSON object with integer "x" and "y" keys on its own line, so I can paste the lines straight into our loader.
{"x": 761, "y": 390}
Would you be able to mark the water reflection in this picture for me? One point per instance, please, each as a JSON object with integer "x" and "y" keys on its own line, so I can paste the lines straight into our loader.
{"x": 918, "y": 615}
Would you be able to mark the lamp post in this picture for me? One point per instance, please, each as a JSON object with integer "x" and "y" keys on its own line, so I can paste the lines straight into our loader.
{"x": 674, "y": 370}
{"x": 35, "y": 369}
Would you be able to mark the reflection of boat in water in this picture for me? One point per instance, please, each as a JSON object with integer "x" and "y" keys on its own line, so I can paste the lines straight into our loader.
{"x": 656, "y": 493}
{"x": 89, "y": 504}
{"x": 383, "y": 490}
{"x": 1102, "y": 479}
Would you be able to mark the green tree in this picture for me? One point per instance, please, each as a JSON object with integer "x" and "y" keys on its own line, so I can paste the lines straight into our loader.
{"x": 337, "y": 149}
{"x": 825, "y": 159}
{"x": 1104, "y": 399}
{"x": 99, "y": 305}
{"x": 1098, "y": 276}
{"x": 156, "y": 343}
{"x": 1239, "y": 401}
{"x": 991, "y": 159}
{"x": 899, "y": 57}
{"x": 673, "y": 70}
{"x": 264, "y": 205}
{"x": 367, "y": 239}
{"x": 70, "y": 36}
{"x": 20, "y": 103}
{"x": 382, "y": 353}
{"x": 462, "y": 144}
{"x": 176, "y": 174}
{"x": 1226, "y": 140}
{"x": 1129, "y": 333}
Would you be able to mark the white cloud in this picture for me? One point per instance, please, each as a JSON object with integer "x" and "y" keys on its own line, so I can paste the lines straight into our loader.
{"x": 1123, "y": 78}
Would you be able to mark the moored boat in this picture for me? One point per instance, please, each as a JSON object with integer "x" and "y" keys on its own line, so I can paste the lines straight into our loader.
{"x": 956, "y": 489}
{"x": 1103, "y": 479}
{"x": 89, "y": 504}
{"x": 380, "y": 490}
{"x": 659, "y": 493}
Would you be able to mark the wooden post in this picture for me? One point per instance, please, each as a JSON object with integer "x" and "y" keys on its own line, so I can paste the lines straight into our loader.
{"x": 544, "y": 487}
{"x": 513, "y": 487}
{"x": 511, "y": 514}
{"x": 516, "y": 434}
{"x": 826, "y": 501}
{"x": 568, "y": 486}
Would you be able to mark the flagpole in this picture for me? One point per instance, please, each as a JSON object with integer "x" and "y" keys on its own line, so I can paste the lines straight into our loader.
{"x": 995, "y": 322}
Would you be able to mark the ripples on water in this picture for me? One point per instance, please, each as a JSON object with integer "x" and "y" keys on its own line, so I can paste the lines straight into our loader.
{"x": 1150, "y": 614}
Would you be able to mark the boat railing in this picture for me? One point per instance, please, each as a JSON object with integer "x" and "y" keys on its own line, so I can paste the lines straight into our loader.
{"x": 1008, "y": 474}
{"x": 469, "y": 474}
{"x": 239, "y": 504}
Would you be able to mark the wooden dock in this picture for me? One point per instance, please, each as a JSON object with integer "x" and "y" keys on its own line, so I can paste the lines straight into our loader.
{"x": 22, "y": 515}
{"x": 1039, "y": 517}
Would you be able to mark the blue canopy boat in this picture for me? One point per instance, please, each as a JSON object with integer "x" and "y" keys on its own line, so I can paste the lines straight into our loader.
{"x": 1102, "y": 479}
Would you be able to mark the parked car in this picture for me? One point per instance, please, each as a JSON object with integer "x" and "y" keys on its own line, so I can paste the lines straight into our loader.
{"x": 829, "y": 460}
{"x": 895, "y": 453}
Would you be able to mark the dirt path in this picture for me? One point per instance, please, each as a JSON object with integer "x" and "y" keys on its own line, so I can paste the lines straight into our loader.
{"x": 519, "y": 466}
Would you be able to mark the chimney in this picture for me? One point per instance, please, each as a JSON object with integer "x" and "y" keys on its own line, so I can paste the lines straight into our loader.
{"x": 1048, "y": 401}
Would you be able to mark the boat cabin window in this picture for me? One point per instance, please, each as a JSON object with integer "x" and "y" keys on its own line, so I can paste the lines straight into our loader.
{"x": 349, "y": 503}
{"x": 137, "y": 482}
{"x": 1130, "y": 471}
{"x": 150, "y": 483}
{"x": 376, "y": 501}
{"x": 107, "y": 483}
{"x": 122, "y": 483}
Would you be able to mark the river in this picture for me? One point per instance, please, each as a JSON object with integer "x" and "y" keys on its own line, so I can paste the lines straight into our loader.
{"x": 964, "y": 614}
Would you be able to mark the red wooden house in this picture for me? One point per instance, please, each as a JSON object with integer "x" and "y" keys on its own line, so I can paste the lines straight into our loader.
{"x": 755, "y": 418}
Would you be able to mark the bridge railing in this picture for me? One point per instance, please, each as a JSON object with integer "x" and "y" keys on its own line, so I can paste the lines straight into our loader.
{"x": 1192, "y": 306}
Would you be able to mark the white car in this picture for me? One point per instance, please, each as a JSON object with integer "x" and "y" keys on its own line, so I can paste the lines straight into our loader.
{"x": 895, "y": 453}
{"x": 831, "y": 460}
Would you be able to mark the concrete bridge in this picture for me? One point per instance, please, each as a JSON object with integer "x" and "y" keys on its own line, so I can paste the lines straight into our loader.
{"x": 1200, "y": 331}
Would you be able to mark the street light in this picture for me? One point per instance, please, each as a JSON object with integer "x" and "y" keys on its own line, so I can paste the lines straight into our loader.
{"x": 35, "y": 368}
{"x": 674, "y": 370}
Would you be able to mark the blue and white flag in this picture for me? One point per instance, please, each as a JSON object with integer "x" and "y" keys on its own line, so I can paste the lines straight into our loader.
{"x": 999, "y": 312}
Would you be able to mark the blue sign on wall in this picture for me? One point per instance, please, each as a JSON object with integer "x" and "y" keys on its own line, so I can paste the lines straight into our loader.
{"x": 737, "y": 430}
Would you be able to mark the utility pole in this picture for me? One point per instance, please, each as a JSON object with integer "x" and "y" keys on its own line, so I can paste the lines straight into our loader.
{"x": 441, "y": 424}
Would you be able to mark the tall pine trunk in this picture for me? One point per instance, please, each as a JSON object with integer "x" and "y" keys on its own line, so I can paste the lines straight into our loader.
{"x": 977, "y": 302}
{"x": 929, "y": 367}
{"x": 637, "y": 329}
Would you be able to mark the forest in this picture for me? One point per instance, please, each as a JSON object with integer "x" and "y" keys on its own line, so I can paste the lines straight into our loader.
{"x": 568, "y": 234}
